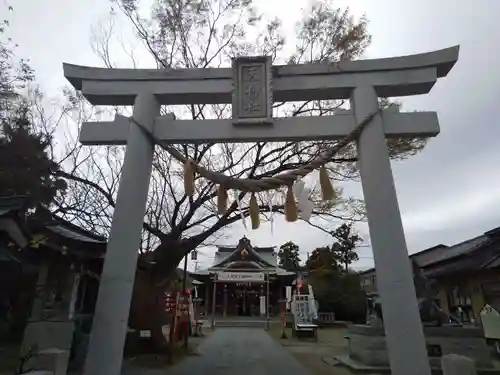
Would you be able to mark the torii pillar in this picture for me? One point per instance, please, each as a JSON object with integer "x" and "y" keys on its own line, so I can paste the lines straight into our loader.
{"x": 403, "y": 328}
{"x": 105, "y": 349}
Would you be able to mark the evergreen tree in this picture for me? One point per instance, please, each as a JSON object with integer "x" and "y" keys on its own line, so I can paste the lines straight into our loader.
{"x": 336, "y": 291}
{"x": 26, "y": 168}
{"x": 344, "y": 248}
{"x": 322, "y": 258}
{"x": 288, "y": 256}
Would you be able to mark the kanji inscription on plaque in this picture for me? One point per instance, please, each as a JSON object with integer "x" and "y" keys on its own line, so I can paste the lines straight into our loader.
{"x": 252, "y": 91}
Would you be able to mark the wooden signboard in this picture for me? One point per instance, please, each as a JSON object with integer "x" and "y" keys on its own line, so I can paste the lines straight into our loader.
{"x": 182, "y": 310}
{"x": 170, "y": 305}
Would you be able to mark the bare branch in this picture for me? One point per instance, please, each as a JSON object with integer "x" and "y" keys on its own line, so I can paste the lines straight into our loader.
{"x": 199, "y": 34}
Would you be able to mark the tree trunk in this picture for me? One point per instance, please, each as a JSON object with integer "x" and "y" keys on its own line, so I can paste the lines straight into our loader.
{"x": 147, "y": 310}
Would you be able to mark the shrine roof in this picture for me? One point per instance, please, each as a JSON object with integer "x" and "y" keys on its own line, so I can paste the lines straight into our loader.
{"x": 9, "y": 205}
{"x": 269, "y": 258}
{"x": 15, "y": 206}
{"x": 244, "y": 251}
{"x": 12, "y": 215}
{"x": 32, "y": 233}
{"x": 7, "y": 255}
{"x": 230, "y": 249}
{"x": 73, "y": 232}
{"x": 245, "y": 257}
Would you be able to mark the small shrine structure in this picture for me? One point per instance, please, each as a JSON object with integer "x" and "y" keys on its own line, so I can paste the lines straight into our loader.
{"x": 244, "y": 280}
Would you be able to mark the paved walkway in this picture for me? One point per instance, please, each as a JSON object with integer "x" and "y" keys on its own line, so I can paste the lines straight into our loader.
{"x": 240, "y": 351}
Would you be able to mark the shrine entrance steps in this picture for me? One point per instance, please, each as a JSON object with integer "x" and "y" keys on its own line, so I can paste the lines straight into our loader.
{"x": 243, "y": 321}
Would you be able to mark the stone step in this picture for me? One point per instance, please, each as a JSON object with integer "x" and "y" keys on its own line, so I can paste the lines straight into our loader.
{"x": 240, "y": 323}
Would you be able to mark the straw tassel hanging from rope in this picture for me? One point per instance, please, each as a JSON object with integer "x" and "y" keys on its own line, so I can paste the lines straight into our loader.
{"x": 254, "y": 212}
{"x": 221, "y": 200}
{"x": 271, "y": 213}
{"x": 238, "y": 203}
{"x": 291, "y": 212}
{"x": 189, "y": 178}
{"x": 327, "y": 189}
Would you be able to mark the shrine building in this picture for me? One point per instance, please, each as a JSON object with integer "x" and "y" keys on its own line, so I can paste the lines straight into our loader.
{"x": 242, "y": 281}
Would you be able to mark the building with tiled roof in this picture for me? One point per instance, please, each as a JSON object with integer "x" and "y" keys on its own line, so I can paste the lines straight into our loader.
{"x": 464, "y": 276}
{"x": 242, "y": 279}
{"x": 50, "y": 276}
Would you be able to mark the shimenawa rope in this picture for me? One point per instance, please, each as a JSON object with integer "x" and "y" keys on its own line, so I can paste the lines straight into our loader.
{"x": 268, "y": 183}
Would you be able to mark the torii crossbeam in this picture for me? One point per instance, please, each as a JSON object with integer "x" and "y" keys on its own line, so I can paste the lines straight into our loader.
{"x": 252, "y": 85}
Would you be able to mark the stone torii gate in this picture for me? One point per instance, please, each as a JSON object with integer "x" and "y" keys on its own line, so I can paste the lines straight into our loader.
{"x": 252, "y": 85}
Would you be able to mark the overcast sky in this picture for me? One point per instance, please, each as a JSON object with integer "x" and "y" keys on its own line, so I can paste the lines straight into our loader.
{"x": 448, "y": 193}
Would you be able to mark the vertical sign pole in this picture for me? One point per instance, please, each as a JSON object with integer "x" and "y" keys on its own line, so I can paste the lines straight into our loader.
{"x": 207, "y": 296}
{"x": 187, "y": 325}
{"x": 214, "y": 295}
{"x": 267, "y": 300}
{"x": 403, "y": 327}
{"x": 105, "y": 351}
{"x": 41, "y": 293}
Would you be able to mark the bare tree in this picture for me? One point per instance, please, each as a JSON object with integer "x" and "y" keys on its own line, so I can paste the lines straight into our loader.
{"x": 200, "y": 34}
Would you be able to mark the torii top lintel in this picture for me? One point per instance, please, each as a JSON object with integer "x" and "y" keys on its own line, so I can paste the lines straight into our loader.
{"x": 397, "y": 76}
